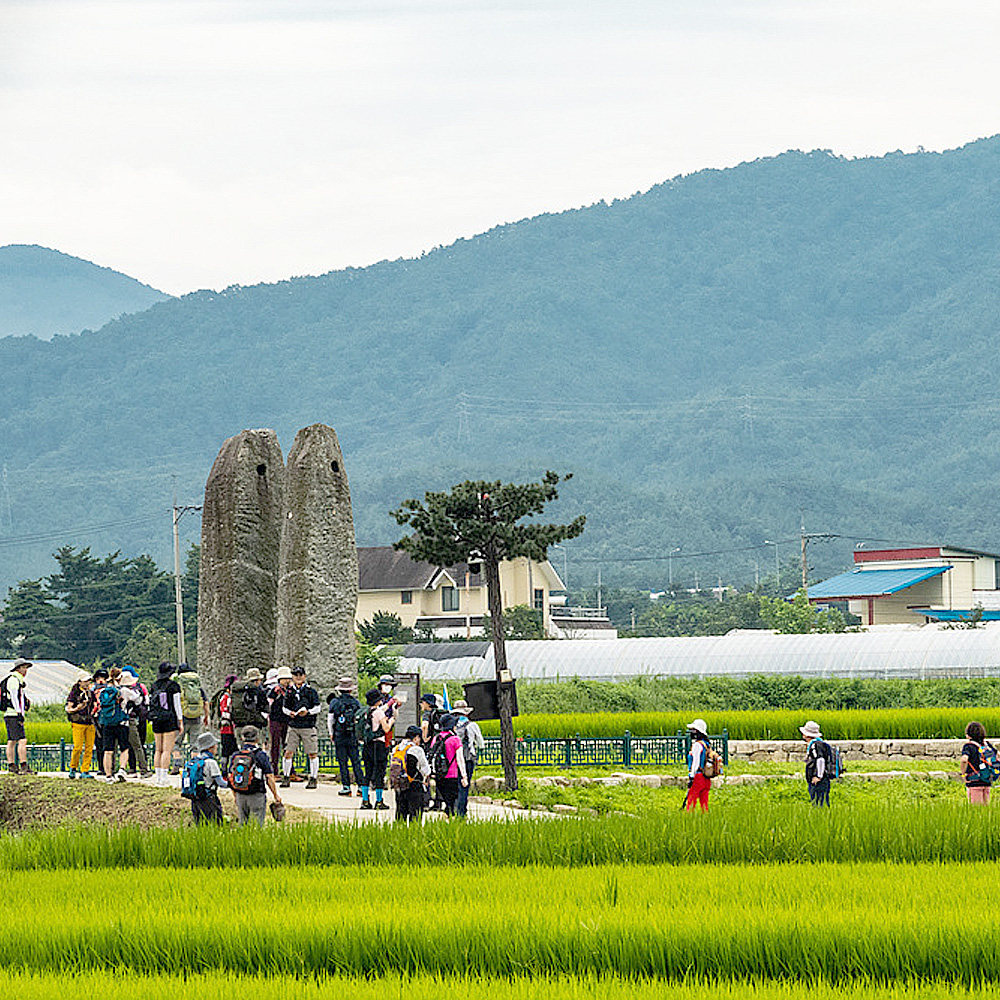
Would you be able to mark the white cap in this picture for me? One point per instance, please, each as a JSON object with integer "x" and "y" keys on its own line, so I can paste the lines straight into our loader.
{"x": 699, "y": 726}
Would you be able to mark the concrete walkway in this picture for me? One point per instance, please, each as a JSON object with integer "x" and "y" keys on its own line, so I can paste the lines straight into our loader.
{"x": 325, "y": 800}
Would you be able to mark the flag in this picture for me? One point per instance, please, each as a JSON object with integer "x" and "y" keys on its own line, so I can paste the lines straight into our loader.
{"x": 445, "y": 703}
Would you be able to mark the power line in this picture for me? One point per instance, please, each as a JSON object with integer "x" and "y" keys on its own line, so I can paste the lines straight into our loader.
{"x": 60, "y": 616}
{"x": 44, "y": 536}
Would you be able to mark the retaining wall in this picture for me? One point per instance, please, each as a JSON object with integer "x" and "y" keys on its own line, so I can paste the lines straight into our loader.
{"x": 785, "y": 751}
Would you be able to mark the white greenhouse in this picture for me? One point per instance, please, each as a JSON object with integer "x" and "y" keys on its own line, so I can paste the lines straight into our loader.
{"x": 882, "y": 651}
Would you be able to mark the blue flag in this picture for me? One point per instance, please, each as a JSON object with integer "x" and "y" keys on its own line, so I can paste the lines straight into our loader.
{"x": 446, "y": 704}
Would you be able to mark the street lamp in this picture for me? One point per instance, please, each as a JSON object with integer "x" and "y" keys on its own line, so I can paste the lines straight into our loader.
{"x": 565, "y": 576}
{"x": 670, "y": 567}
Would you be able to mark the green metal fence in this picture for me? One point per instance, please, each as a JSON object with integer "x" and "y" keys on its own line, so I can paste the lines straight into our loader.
{"x": 624, "y": 752}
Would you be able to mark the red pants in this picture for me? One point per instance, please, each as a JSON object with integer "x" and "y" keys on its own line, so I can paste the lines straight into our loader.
{"x": 698, "y": 792}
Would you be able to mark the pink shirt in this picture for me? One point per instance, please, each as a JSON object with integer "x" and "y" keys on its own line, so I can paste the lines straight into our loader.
{"x": 453, "y": 747}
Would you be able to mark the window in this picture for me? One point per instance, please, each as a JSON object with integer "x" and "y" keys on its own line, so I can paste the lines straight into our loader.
{"x": 449, "y": 599}
{"x": 539, "y": 600}
{"x": 406, "y": 597}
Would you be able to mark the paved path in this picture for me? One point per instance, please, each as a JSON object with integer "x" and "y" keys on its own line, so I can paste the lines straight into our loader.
{"x": 324, "y": 800}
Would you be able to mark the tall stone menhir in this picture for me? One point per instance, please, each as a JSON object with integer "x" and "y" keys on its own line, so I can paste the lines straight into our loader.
{"x": 318, "y": 578}
{"x": 240, "y": 541}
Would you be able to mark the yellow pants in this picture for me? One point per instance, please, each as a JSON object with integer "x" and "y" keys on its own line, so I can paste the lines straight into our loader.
{"x": 83, "y": 747}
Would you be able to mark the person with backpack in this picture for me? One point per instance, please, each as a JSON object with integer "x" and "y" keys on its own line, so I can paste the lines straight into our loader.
{"x": 819, "y": 764}
{"x": 15, "y": 705}
{"x": 101, "y": 676}
{"x": 276, "y": 723}
{"x": 448, "y": 764}
{"x": 301, "y": 706}
{"x": 134, "y": 704}
{"x": 250, "y": 775}
{"x": 343, "y": 709}
{"x": 222, "y": 712}
{"x": 194, "y": 704}
{"x": 201, "y": 779}
{"x": 408, "y": 774}
{"x": 472, "y": 742}
{"x": 166, "y": 715}
{"x": 113, "y": 720}
{"x": 80, "y": 713}
{"x": 375, "y": 734}
{"x": 979, "y": 765}
{"x": 699, "y": 783}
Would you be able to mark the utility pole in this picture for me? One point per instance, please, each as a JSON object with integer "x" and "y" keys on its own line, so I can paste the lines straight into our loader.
{"x": 178, "y": 513}
{"x": 808, "y": 537}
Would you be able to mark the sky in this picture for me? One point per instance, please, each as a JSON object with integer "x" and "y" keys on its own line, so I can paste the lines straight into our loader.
{"x": 205, "y": 143}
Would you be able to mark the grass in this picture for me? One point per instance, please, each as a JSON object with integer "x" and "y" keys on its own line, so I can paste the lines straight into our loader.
{"x": 906, "y": 822}
{"x": 843, "y": 922}
{"x": 125, "y": 985}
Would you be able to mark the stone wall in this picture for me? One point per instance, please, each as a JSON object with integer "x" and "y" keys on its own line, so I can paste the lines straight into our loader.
{"x": 793, "y": 751}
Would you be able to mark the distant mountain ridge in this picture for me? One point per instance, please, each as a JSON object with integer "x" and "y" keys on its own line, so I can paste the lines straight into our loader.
{"x": 801, "y": 337}
{"x": 44, "y": 293}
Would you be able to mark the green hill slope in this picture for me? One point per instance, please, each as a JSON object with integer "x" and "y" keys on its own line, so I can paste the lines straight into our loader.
{"x": 799, "y": 336}
{"x": 44, "y": 293}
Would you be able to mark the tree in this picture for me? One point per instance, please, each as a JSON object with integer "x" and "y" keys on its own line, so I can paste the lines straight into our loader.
{"x": 385, "y": 627}
{"x": 480, "y": 522}
{"x": 29, "y": 621}
{"x": 519, "y": 622}
{"x": 798, "y": 615}
{"x": 147, "y": 647}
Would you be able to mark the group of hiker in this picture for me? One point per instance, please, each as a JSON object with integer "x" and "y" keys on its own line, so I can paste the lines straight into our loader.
{"x": 979, "y": 765}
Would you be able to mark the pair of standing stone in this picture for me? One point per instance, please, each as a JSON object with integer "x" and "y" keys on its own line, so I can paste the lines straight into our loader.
{"x": 278, "y": 582}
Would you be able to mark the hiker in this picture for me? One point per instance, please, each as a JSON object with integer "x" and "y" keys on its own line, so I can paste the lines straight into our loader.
{"x": 166, "y": 714}
{"x": 113, "y": 719}
{"x": 250, "y": 775}
{"x": 698, "y": 783}
{"x": 276, "y": 684}
{"x": 80, "y": 712}
{"x": 100, "y": 679}
{"x": 15, "y": 706}
{"x": 301, "y": 706}
{"x": 141, "y": 718}
{"x": 408, "y": 776}
{"x": 133, "y": 703}
{"x": 976, "y": 753}
{"x": 819, "y": 764}
{"x": 201, "y": 780}
{"x": 340, "y": 720}
{"x": 472, "y": 742}
{"x": 194, "y": 704}
{"x": 376, "y": 732}
{"x": 448, "y": 764}
{"x": 430, "y": 717}
{"x": 227, "y": 729}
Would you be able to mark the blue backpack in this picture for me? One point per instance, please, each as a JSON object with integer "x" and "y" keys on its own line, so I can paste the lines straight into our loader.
{"x": 989, "y": 765}
{"x": 193, "y": 779}
{"x": 109, "y": 713}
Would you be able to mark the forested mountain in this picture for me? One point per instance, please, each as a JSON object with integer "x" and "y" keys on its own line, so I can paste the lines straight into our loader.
{"x": 44, "y": 293}
{"x": 802, "y": 336}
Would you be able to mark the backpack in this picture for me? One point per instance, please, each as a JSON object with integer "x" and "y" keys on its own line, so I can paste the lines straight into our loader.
{"x": 108, "y": 713}
{"x": 190, "y": 694}
{"x": 5, "y": 694}
{"x": 399, "y": 780}
{"x": 712, "y": 765}
{"x": 343, "y": 717}
{"x": 193, "y": 779}
{"x": 440, "y": 761}
{"x": 161, "y": 709}
{"x": 244, "y": 711}
{"x": 462, "y": 732}
{"x": 834, "y": 757}
{"x": 242, "y": 770}
{"x": 363, "y": 726}
{"x": 213, "y": 707}
{"x": 989, "y": 765}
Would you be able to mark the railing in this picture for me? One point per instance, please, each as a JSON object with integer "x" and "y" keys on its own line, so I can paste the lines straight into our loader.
{"x": 577, "y": 751}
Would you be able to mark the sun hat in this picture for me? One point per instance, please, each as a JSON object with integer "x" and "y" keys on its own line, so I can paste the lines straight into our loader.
{"x": 253, "y": 674}
{"x": 298, "y": 671}
{"x": 447, "y": 722}
{"x": 249, "y": 734}
{"x": 165, "y": 669}
{"x": 373, "y": 697}
{"x": 387, "y": 679}
{"x": 100, "y": 672}
{"x": 810, "y": 729}
{"x": 205, "y": 741}
{"x": 271, "y": 676}
{"x": 21, "y": 662}
{"x": 698, "y": 726}
{"x": 129, "y": 678}
{"x": 412, "y": 731}
{"x": 462, "y": 707}
{"x": 282, "y": 674}
{"x": 345, "y": 684}
{"x": 429, "y": 699}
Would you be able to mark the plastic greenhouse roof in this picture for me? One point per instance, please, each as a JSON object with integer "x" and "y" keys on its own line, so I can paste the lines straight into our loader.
{"x": 929, "y": 651}
{"x": 47, "y": 681}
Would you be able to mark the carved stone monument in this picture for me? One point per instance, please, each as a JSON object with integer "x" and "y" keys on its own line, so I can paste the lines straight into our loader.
{"x": 240, "y": 542}
{"x": 318, "y": 576}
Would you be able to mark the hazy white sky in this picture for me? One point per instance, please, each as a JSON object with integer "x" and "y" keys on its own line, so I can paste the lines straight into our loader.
{"x": 202, "y": 143}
